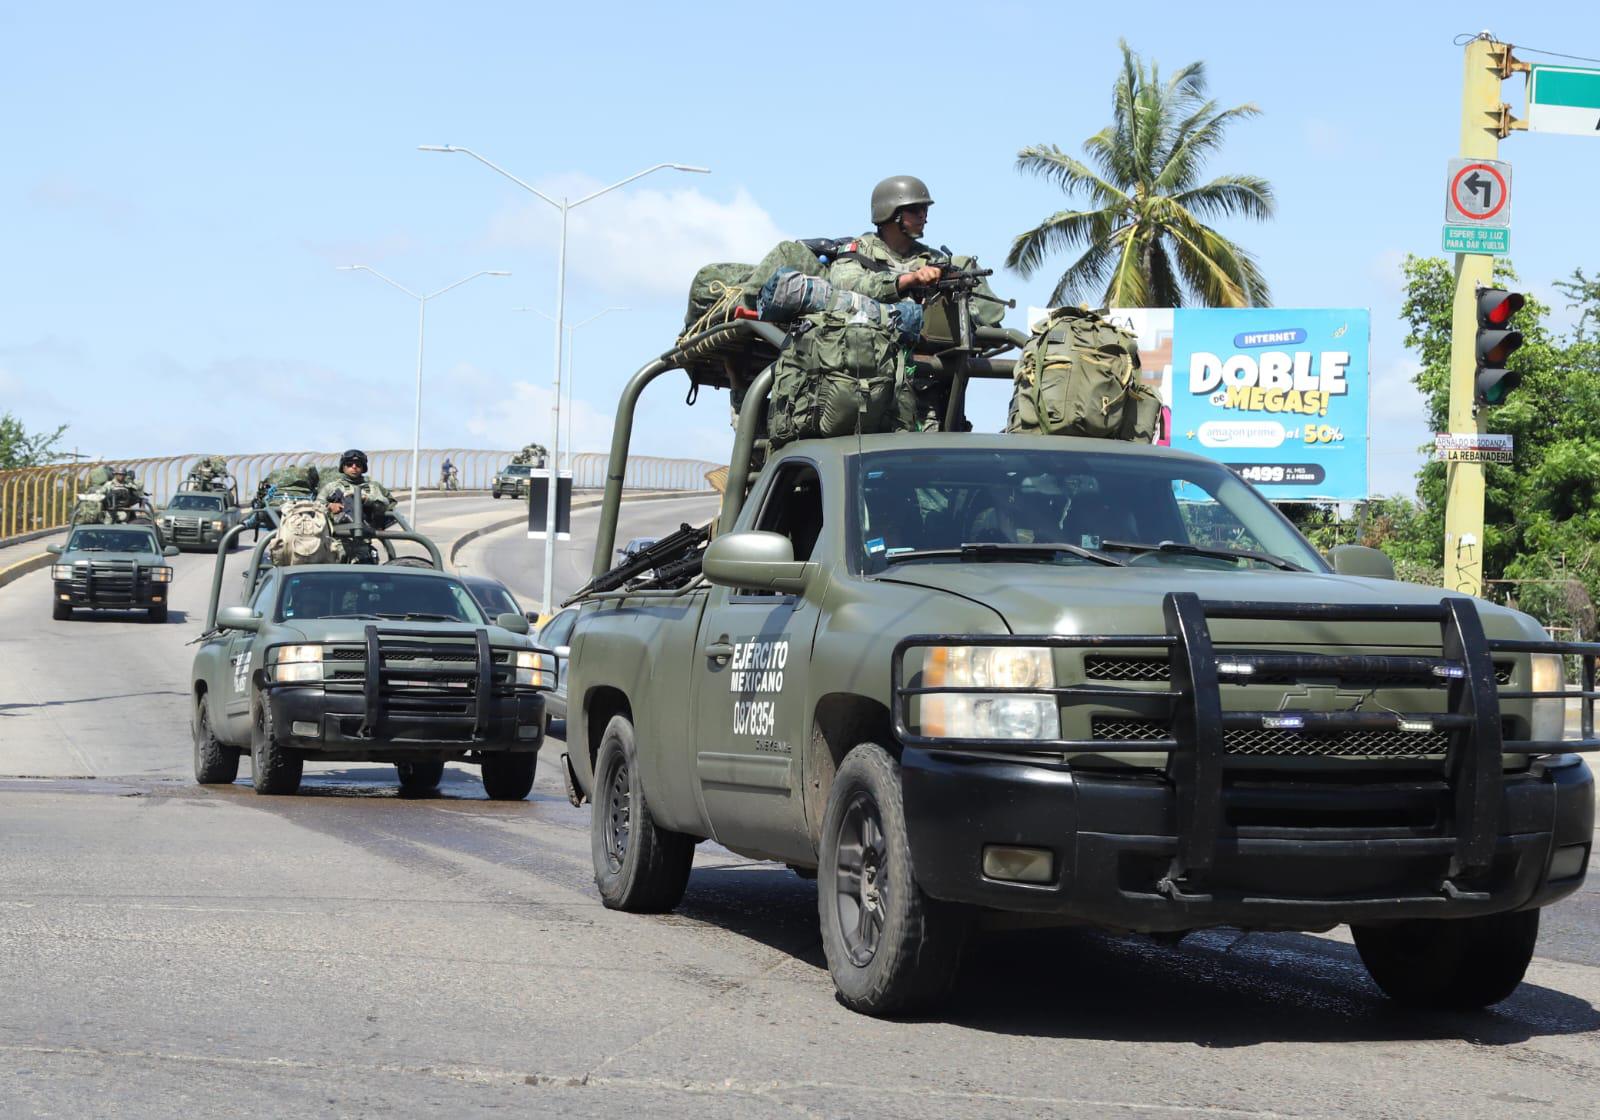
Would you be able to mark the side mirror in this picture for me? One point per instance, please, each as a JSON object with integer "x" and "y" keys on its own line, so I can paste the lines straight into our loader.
{"x": 238, "y": 618}
{"x": 170, "y": 550}
{"x": 1359, "y": 560}
{"x": 754, "y": 559}
{"x": 53, "y": 549}
{"x": 513, "y": 622}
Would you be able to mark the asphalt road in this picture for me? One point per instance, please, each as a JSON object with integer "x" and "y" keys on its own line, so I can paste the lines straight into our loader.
{"x": 172, "y": 951}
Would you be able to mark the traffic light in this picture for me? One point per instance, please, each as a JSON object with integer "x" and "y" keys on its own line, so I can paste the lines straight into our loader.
{"x": 1496, "y": 343}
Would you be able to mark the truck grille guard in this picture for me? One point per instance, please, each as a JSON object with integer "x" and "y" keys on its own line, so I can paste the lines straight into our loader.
{"x": 373, "y": 691}
{"x": 1197, "y": 746}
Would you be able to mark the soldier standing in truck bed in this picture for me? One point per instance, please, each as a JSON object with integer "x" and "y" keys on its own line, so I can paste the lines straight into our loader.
{"x": 889, "y": 264}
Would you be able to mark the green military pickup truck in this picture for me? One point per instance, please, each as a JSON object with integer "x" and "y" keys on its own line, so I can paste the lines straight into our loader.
{"x": 111, "y": 567}
{"x": 391, "y": 662}
{"x": 512, "y": 480}
{"x": 976, "y": 679}
{"x": 196, "y": 519}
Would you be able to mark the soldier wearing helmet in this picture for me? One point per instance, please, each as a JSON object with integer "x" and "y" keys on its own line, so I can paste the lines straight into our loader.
{"x": 352, "y": 481}
{"x": 890, "y": 264}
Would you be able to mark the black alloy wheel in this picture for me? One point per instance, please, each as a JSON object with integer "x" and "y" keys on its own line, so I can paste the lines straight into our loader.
{"x": 861, "y": 888}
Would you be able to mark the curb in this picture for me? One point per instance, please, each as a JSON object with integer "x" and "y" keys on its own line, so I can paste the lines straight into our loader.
{"x": 23, "y": 567}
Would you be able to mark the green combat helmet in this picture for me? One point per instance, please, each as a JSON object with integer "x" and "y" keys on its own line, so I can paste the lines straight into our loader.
{"x": 895, "y": 192}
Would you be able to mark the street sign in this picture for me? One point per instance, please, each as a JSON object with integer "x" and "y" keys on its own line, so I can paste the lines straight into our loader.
{"x": 1472, "y": 447}
{"x": 1489, "y": 240}
{"x": 1478, "y": 193}
{"x": 1564, "y": 99}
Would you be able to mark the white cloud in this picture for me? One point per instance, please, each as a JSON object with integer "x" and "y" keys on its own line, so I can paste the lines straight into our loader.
{"x": 70, "y": 196}
{"x": 641, "y": 237}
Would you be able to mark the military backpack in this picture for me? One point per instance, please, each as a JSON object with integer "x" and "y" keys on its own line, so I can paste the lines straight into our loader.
{"x": 838, "y": 374}
{"x": 1079, "y": 376}
{"x": 304, "y": 536}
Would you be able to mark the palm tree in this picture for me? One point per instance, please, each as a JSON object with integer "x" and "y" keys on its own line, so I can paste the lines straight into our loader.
{"x": 1145, "y": 241}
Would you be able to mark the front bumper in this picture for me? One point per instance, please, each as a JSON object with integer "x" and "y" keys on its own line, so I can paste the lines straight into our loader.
{"x": 511, "y": 723}
{"x": 1290, "y": 854}
{"x": 107, "y": 594}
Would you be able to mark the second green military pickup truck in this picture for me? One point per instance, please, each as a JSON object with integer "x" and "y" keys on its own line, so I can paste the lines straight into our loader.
{"x": 392, "y": 662}
{"x": 972, "y": 679}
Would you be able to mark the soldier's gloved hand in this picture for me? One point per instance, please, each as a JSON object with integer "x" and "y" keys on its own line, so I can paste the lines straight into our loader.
{"x": 923, "y": 276}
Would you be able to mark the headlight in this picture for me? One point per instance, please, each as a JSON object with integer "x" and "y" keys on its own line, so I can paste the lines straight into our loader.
{"x": 981, "y": 716}
{"x": 60, "y": 571}
{"x": 535, "y": 669}
{"x": 1549, "y": 716}
{"x": 298, "y": 663}
{"x": 161, "y": 575}
{"x": 217, "y": 525}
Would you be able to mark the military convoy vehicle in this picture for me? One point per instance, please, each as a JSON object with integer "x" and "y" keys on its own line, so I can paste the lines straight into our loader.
{"x": 197, "y": 519}
{"x": 512, "y": 479}
{"x": 389, "y": 662}
{"x": 970, "y": 680}
{"x": 111, "y": 568}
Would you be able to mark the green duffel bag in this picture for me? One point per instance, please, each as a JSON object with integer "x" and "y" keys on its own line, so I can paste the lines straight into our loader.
{"x": 717, "y": 289}
{"x": 1079, "y": 376}
{"x": 836, "y": 376}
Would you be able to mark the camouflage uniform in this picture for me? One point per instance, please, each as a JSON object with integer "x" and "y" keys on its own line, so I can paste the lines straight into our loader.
{"x": 924, "y": 397}
{"x": 375, "y": 496}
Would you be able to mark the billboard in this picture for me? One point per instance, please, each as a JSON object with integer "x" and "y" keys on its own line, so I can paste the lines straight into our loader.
{"x": 1277, "y": 393}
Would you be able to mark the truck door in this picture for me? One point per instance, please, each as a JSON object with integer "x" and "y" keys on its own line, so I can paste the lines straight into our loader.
{"x": 751, "y": 704}
{"x": 236, "y": 666}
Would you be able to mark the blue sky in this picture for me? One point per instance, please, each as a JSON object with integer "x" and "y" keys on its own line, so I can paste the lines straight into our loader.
{"x": 179, "y": 182}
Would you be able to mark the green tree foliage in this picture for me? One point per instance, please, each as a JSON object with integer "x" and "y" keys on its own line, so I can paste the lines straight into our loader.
{"x": 1145, "y": 240}
{"x": 19, "y": 449}
{"x": 1542, "y": 512}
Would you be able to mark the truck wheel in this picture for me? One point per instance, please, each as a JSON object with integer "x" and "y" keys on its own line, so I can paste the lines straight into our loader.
{"x": 1458, "y": 964}
{"x": 214, "y": 763}
{"x": 60, "y": 611}
{"x": 495, "y": 493}
{"x": 890, "y": 948}
{"x": 638, "y": 867}
{"x": 158, "y": 613}
{"x": 508, "y": 777}
{"x": 273, "y": 768}
{"x": 417, "y": 778}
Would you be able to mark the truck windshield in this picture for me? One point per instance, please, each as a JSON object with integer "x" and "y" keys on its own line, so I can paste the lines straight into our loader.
{"x": 517, "y": 469}
{"x": 1101, "y": 507}
{"x": 368, "y": 592}
{"x": 112, "y": 540}
{"x": 195, "y": 502}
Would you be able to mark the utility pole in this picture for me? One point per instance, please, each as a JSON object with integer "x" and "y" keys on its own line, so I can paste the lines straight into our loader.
{"x": 1484, "y": 121}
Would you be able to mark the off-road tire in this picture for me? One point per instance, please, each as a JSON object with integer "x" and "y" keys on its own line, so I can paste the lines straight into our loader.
{"x": 418, "y": 778}
{"x": 639, "y": 867}
{"x": 274, "y": 769}
{"x": 214, "y": 763}
{"x": 1443, "y": 964}
{"x": 61, "y": 612}
{"x": 157, "y": 613}
{"x": 890, "y": 948}
{"x": 495, "y": 493}
{"x": 508, "y": 776}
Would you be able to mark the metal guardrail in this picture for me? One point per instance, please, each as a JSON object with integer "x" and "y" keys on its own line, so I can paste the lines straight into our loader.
{"x": 37, "y": 499}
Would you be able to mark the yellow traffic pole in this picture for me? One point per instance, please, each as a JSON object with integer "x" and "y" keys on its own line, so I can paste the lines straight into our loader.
{"x": 1483, "y": 119}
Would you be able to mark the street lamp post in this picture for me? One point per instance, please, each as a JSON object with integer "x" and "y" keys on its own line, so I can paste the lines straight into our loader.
{"x": 571, "y": 381}
{"x": 564, "y": 206}
{"x": 422, "y": 308}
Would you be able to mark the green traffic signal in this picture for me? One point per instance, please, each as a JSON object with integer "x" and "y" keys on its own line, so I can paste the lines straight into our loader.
{"x": 1496, "y": 343}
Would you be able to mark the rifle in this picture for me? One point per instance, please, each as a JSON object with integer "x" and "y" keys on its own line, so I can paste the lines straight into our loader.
{"x": 956, "y": 288}
{"x": 671, "y": 554}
